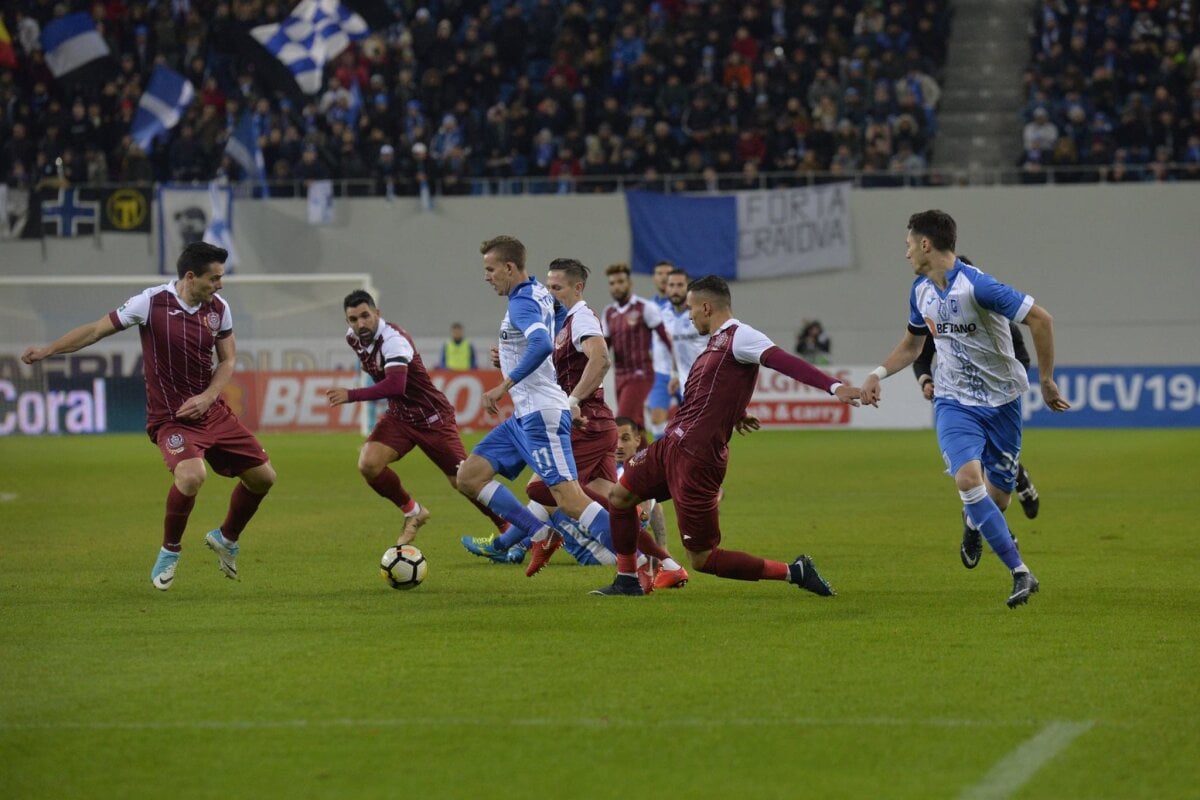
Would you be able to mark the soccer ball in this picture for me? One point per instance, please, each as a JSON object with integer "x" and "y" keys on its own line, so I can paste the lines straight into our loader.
{"x": 403, "y": 567}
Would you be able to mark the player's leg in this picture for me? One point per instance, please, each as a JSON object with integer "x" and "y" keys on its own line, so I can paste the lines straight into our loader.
{"x": 373, "y": 460}
{"x": 500, "y": 452}
{"x": 182, "y": 449}
{"x": 659, "y": 402}
{"x": 237, "y": 453}
{"x": 1027, "y": 493}
{"x": 1002, "y": 458}
{"x": 443, "y": 446}
{"x": 644, "y": 477}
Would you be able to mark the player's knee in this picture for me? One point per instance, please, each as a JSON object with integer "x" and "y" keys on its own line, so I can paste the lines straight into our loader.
{"x": 698, "y": 560}
{"x": 370, "y": 468}
{"x": 470, "y": 480}
{"x": 189, "y": 477}
{"x": 260, "y": 479}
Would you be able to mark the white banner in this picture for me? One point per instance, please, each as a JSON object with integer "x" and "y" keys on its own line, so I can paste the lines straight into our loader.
{"x": 320, "y": 203}
{"x": 184, "y": 214}
{"x": 792, "y": 231}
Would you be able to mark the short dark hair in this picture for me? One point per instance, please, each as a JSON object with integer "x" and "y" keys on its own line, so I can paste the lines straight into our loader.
{"x": 664, "y": 263}
{"x": 198, "y": 256}
{"x": 714, "y": 286}
{"x": 508, "y": 248}
{"x": 936, "y": 226}
{"x": 632, "y": 423}
{"x": 614, "y": 269}
{"x": 357, "y": 298}
{"x": 678, "y": 271}
{"x": 575, "y": 270}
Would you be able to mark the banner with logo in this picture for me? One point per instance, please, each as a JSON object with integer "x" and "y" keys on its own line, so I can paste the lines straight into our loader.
{"x": 295, "y": 401}
{"x": 780, "y": 402}
{"x": 79, "y": 211}
{"x": 184, "y": 214}
{"x": 1119, "y": 397}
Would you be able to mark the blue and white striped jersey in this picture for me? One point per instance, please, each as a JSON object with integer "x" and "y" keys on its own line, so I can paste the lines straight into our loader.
{"x": 969, "y": 323}
{"x": 530, "y": 308}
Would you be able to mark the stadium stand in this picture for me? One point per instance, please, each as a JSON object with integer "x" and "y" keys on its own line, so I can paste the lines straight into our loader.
{"x": 479, "y": 96}
{"x": 1113, "y": 92}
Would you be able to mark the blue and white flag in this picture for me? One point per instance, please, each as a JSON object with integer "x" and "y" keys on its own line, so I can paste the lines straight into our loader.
{"x": 75, "y": 51}
{"x": 315, "y": 33}
{"x": 219, "y": 231}
{"x": 243, "y": 148}
{"x": 162, "y": 104}
{"x": 743, "y": 235}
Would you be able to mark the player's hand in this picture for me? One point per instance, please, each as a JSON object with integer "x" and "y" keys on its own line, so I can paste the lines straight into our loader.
{"x": 338, "y": 396}
{"x": 491, "y": 399}
{"x": 32, "y": 355}
{"x": 1054, "y": 400}
{"x": 673, "y": 386}
{"x": 494, "y": 353}
{"x": 747, "y": 424}
{"x": 194, "y": 407}
{"x": 927, "y": 390}
{"x": 578, "y": 420}
{"x": 848, "y": 394}
{"x": 870, "y": 391}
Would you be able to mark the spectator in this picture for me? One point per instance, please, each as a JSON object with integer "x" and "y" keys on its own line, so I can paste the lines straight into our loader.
{"x": 457, "y": 352}
{"x": 812, "y": 343}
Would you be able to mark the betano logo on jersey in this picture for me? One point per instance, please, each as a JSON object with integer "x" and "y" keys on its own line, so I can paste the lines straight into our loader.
{"x": 938, "y": 328}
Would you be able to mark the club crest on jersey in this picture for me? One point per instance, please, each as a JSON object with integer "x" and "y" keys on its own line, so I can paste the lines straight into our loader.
{"x": 633, "y": 319}
{"x": 214, "y": 321}
{"x": 175, "y": 444}
{"x": 561, "y": 339}
{"x": 718, "y": 342}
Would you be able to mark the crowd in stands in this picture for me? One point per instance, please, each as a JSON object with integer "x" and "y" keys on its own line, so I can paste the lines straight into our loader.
{"x": 1113, "y": 91}
{"x": 466, "y": 95}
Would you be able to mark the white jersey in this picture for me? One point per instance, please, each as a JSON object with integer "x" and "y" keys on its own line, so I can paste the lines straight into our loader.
{"x": 530, "y": 309}
{"x": 969, "y": 323}
{"x": 686, "y": 341}
{"x": 659, "y": 354}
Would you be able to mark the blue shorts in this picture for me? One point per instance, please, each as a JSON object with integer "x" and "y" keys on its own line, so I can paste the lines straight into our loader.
{"x": 542, "y": 440}
{"x": 659, "y": 397}
{"x": 991, "y": 436}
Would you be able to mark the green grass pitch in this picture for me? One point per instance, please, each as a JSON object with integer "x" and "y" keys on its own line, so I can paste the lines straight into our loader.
{"x": 311, "y": 678}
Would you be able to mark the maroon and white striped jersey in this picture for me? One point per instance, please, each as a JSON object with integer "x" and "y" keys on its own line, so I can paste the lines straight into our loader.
{"x": 570, "y": 361}
{"x": 719, "y": 387}
{"x": 422, "y": 405}
{"x": 177, "y": 347}
{"x": 629, "y": 328}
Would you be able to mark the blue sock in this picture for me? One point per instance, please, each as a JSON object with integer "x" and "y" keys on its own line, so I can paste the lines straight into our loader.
{"x": 570, "y": 528}
{"x": 989, "y": 519}
{"x": 497, "y": 497}
{"x": 594, "y": 521}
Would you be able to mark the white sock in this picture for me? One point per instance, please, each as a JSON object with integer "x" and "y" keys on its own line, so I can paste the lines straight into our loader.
{"x": 589, "y": 515}
{"x": 670, "y": 564}
{"x": 416, "y": 509}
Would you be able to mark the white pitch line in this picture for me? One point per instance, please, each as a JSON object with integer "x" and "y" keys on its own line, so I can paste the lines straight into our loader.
{"x": 533, "y": 722}
{"x": 1014, "y": 770}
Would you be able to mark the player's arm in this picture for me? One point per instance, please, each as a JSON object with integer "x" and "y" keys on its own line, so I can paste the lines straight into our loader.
{"x": 394, "y": 384}
{"x": 525, "y": 314}
{"x": 905, "y": 353}
{"x": 653, "y": 319}
{"x": 196, "y": 406}
{"x": 1020, "y": 351}
{"x": 796, "y": 368}
{"x": 593, "y": 374}
{"x": 73, "y": 340}
{"x": 1041, "y": 326}
{"x": 923, "y": 368}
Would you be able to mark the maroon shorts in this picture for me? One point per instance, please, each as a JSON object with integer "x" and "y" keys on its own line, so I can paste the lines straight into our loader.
{"x": 220, "y": 439}
{"x": 441, "y": 443}
{"x": 632, "y": 392}
{"x": 665, "y": 471}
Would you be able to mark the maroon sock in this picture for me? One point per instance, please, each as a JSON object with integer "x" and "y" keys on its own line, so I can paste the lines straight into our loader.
{"x": 179, "y": 508}
{"x": 733, "y": 564}
{"x": 387, "y": 485}
{"x": 242, "y": 505}
{"x": 649, "y": 547}
{"x": 624, "y": 526}
{"x": 539, "y": 492}
{"x": 602, "y": 499}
